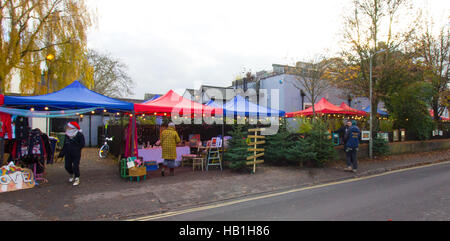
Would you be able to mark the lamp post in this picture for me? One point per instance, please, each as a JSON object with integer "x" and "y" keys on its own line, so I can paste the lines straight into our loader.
{"x": 370, "y": 100}
{"x": 49, "y": 58}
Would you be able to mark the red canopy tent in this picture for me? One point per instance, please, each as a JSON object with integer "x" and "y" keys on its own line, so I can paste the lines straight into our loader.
{"x": 171, "y": 103}
{"x": 321, "y": 107}
{"x": 350, "y": 109}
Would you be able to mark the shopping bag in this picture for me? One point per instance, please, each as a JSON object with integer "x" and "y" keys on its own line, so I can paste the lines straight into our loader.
{"x": 130, "y": 164}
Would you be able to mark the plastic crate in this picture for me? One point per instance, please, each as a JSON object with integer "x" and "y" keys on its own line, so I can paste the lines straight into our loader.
{"x": 151, "y": 165}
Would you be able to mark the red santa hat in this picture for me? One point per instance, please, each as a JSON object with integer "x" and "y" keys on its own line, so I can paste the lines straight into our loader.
{"x": 74, "y": 125}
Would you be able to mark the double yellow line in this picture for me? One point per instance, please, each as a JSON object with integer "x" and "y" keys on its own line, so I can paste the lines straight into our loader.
{"x": 175, "y": 213}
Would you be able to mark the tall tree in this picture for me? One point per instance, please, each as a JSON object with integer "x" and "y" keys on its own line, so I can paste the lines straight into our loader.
{"x": 311, "y": 77}
{"x": 433, "y": 52}
{"x": 109, "y": 75}
{"x": 370, "y": 27}
{"x": 31, "y": 30}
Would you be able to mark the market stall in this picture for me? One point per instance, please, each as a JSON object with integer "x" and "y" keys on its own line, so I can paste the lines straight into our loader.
{"x": 321, "y": 108}
{"x": 29, "y": 147}
{"x": 170, "y": 105}
{"x": 349, "y": 109}
{"x": 241, "y": 107}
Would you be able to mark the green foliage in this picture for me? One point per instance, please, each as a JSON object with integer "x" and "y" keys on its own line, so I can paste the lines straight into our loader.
{"x": 380, "y": 147}
{"x": 312, "y": 146}
{"x": 304, "y": 125}
{"x": 409, "y": 109}
{"x": 277, "y": 146}
{"x": 237, "y": 151}
{"x": 386, "y": 125}
{"x": 320, "y": 145}
{"x": 286, "y": 148}
{"x": 146, "y": 120}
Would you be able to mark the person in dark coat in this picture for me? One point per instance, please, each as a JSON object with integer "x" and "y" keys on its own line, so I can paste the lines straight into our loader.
{"x": 73, "y": 143}
{"x": 343, "y": 131}
{"x": 351, "y": 147}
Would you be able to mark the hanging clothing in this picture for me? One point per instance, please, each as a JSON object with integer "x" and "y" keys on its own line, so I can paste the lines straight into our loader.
{"x": 21, "y": 127}
{"x": 5, "y": 125}
{"x": 31, "y": 150}
{"x": 129, "y": 141}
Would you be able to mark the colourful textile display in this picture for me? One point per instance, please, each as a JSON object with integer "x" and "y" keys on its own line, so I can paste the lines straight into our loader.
{"x": 128, "y": 137}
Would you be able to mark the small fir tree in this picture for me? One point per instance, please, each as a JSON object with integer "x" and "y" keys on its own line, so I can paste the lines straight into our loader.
{"x": 380, "y": 147}
{"x": 320, "y": 144}
{"x": 237, "y": 151}
{"x": 277, "y": 147}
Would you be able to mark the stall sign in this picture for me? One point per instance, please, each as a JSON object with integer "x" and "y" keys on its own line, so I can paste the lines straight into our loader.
{"x": 384, "y": 136}
{"x": 365, "y": 135}
{"x": 13, "y": 178}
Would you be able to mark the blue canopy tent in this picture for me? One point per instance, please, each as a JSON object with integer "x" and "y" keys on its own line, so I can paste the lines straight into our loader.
{"x": 242, "y": 107}
{"x": 380, "y": 112}
{"x": 74, "y": 96}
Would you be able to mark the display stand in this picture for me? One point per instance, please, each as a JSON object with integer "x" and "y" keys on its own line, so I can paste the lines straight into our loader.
{"x": 255, "y": 148}
{"x": 214, "y": 156}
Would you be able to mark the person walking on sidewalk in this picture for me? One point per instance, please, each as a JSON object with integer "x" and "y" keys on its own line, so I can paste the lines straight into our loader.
{"x": 73, "y": 143}
{"x": 169, "y": 140}
{"x": 351, "y": 147}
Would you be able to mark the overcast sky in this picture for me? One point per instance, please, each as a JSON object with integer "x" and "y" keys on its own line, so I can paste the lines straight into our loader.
{"x": 178, "y": 44}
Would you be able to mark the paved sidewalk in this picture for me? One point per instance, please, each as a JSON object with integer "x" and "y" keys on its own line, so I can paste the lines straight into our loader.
{"x": 103, "y": 195}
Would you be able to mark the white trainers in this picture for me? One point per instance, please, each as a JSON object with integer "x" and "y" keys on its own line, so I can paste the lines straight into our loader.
{"x": 77, "y": 181}
{"x": 71, "y": 179}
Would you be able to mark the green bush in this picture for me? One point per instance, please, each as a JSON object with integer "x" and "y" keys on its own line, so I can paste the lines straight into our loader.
{"x": 409, "y": 109}
{"x": 277, "y": 146}
{"x": 286, "y": 148}
{"x": 304, "y": 126}
{"x": 380, "y": 147}
{"x": 386, "y": 125}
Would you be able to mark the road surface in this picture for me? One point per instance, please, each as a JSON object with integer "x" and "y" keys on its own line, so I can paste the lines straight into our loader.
{"x": 421, "y": 193}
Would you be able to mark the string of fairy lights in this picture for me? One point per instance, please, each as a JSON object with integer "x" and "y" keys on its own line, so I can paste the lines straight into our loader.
{"x": 239, "y": 118}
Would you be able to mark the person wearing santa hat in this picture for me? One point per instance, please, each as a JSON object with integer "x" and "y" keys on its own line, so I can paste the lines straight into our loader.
{"x": 73, "y": 143}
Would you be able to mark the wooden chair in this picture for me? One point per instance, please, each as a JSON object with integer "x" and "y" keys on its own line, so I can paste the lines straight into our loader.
{"x": 189, "y": 158}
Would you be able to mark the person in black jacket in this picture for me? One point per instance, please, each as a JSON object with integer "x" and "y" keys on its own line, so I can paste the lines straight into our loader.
{"x": 343, "y": 132}
{"x": 73, "y": 143}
